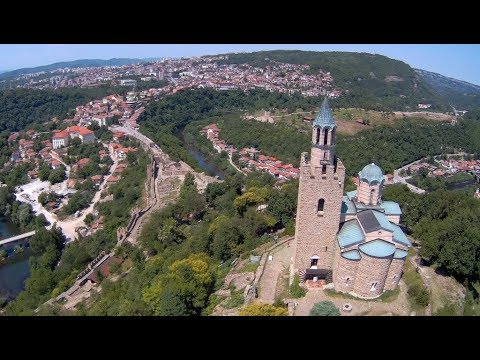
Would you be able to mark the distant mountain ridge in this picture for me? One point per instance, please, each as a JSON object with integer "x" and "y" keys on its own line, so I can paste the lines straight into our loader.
{"x": 444, "y": 83}
{"x": 458, "y": 92}
{"x": 73, "y": 64}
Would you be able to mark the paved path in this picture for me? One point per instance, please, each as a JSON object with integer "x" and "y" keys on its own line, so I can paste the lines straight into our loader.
{"x": 403, "y": 180}
{"x": 234, "y": 166}
{"x": 273, "y": 271}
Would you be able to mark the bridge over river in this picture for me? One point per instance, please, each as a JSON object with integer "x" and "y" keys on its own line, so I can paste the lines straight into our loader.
{"x": 14, "y": 240}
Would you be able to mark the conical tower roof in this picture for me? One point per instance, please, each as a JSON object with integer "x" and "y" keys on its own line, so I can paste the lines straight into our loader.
{"x": 324, "y": 117}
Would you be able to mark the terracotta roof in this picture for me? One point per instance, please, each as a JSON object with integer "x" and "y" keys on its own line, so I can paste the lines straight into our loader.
{"x": 80, "y": 129}
{"x": 60, "y": 135}
{"x": 113, "y": 179}
{"x": 83, "y": 161}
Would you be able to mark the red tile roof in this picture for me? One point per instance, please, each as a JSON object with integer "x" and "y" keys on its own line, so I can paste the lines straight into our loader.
{"x": 112, "y": 179}
{"x": 83, "y": 161}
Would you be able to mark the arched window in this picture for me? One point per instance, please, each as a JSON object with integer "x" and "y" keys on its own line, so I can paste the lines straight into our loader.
{"x": 333, "y": 137}
{"x": 321, "y": 204}
{"x": 325, "y": 137}
{"x": 317, "y": 136}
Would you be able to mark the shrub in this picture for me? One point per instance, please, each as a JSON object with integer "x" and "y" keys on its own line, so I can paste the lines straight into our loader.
{"x": 324, "y": 308}
{"x": 259, "y": 309}
{"x": 296, "y": 291}
{"x": 419, "y": 294}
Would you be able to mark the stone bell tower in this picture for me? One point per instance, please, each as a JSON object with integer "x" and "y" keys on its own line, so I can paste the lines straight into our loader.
{"x": 319, "y": 202}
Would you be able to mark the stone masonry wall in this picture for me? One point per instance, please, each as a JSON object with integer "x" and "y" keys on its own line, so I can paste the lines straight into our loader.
{"x": 369, "y": 193}
{"x": 315, "y": 233}
{"x": 371, "y": 270}
{"x": 344, "y": 269}
{"x": 394, "y": 274}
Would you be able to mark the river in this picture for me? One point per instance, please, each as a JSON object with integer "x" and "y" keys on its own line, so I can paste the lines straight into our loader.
{"x": 208, "y": 167}
{"x": 15, "y": 270}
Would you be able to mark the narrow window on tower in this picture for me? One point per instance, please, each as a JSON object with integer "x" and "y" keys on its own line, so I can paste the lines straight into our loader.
{"x": 321, "y": 204}
{"x": 324, "y": 169}
{"x": 325, "y": 137}
{"x": 318, "y": 136}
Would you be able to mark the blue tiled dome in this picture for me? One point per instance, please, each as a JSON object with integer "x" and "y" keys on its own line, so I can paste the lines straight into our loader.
{"x": 371, "y": 173}
{"x": 324, "y": 117}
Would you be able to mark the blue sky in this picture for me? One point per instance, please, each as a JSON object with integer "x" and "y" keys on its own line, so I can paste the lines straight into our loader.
{"x": 460, "y": 61}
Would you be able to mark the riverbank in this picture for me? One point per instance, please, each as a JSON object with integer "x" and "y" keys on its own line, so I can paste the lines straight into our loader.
{"x": 15, "y": 268}
{"x": 14, "y": 271}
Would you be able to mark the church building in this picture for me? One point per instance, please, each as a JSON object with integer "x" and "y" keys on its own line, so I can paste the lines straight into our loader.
{"x": 352, "y": 240}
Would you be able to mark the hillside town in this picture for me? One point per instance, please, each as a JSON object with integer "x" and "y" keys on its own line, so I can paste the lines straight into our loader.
{"x": 195, "y": 72}
{"x": 250, "y": 159}
{"x": 70, "y": 168}
{"x": 445, "y": 167}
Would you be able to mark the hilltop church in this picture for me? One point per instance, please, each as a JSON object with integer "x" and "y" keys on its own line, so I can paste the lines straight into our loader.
{"x": 353, "y": 241}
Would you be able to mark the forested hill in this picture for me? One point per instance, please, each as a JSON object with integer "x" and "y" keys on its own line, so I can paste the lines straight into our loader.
{"x": 72, "y": 64}
{"x": 22, "y": 107}
{"x": 461, "y": 94}
{"x": 374, "y": 81}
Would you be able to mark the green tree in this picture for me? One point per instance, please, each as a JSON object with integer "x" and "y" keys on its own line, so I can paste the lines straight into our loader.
{"x": 169, "y": 234}
{"x": 184, "y": 290}
{"x": 89, "y": 218}
{"x": 227, "y": 240}
{"x": 44, "y": 172}
{"x": 56, "y": 176}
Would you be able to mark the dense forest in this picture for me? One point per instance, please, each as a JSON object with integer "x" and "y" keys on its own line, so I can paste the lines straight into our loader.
{"x": 446, "y": 225}
{"x": 404, "y": 142}
{"x": 280, "y": 140}
{"x": 373, "y": 82}
{"x": 389, "y": 146}
{"x": 22, "y": 107}
{"x": 191, "y": 244}
{"x": 165, "y": 119}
